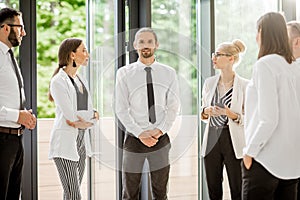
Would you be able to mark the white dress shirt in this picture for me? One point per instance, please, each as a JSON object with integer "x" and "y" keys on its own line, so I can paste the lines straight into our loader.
{"x": 132, "y": 101}
{"x": 9, "y": 90}
{"x": 272, "y": 116}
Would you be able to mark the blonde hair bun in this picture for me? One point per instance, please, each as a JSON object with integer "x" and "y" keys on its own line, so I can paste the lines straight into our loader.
{"x": 240, "y": 45}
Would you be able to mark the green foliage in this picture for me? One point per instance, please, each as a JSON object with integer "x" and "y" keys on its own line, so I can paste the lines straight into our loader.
{"x": 175, "y": 24}
{"x": 240, "y": 23}
{"x": 9, "y": 3}
{"x": 56, "y": 21}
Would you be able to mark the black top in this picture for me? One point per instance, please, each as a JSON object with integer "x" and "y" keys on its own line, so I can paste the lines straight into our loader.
{"x": 82, "y": 97}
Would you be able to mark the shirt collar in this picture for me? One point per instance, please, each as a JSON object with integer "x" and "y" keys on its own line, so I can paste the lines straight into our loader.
{"x": 4, "y": 48}
{"x": 143, "y": 65}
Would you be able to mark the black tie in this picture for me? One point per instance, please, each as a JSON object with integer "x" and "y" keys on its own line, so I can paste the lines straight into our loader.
{"x": 21, "y": 87}
{"x": 151, "y": 107}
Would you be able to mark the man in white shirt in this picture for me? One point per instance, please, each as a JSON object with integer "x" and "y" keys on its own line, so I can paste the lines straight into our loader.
{"x": 293, "y": 28}
{"x": 13, "y": 116}
{"x": 147, "y": 103}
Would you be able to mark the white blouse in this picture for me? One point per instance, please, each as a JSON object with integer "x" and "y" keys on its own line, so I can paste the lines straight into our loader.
{"x": 272, "y": 116}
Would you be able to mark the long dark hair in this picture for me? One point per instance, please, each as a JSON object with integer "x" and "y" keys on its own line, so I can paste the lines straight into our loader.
{"x": 66, "y": 47}
{"x": 274, "y": 36}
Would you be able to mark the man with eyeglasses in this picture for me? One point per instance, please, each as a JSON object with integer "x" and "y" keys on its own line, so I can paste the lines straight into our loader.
{"x": 293, "y": 28}
{"x": 13, "y": 115}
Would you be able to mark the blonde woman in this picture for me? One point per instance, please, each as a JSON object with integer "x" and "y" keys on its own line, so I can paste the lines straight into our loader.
{"x": 222, "y": 110}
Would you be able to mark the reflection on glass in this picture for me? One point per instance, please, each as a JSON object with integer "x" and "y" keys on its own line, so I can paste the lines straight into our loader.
{"x": 53, "y": 24}
{"x": 102, "y": 76}
{"x": 175, "y": 24}
{"x": 237, "y": 19}
{"x": 298, "y": 10}
{"x": 11, "y": 4}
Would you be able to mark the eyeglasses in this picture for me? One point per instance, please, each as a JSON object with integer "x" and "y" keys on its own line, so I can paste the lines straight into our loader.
{"x": 216, "y": 54}
{"x": 15, "y": 25}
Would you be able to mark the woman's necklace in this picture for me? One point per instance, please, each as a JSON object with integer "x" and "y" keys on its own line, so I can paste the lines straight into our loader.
{"x": 227, "y": 83}
{"x": 224, "y": 86}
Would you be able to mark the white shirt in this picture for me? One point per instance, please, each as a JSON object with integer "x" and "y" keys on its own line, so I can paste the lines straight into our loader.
{"x": 132, "y": 101}
{"x": 9, "y": 90}
{"x": 272, "y": 116}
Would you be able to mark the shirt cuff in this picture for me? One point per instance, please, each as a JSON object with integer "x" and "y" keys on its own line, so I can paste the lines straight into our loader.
{"x": 252, "y": 150}
{"x": 136, "y": 132}
{"x": 162, "y": 128}
{"x": 12, "y": 115}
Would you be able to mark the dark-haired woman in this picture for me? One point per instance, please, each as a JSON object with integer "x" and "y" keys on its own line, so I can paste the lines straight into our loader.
{"x": 69, "y": 142}
{"x": 271, "y": 156}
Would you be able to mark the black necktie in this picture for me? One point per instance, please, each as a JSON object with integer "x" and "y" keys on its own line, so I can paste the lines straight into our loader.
{"x": 151, "y": 107}
{"x": 21, "y": 87}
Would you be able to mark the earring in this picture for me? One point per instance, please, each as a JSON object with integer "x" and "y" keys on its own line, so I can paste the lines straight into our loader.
{"x": 74, "y": 63}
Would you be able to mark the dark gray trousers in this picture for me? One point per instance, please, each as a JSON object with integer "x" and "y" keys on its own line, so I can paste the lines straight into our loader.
{"x": 221, "y": 154}
{"x": 12, "y": 159}
{"x": 134, "y": 155}
{"x": 260, "y": 184}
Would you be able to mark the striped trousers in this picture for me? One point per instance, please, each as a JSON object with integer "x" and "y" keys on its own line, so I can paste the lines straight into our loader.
{"x": 71, "y": 172}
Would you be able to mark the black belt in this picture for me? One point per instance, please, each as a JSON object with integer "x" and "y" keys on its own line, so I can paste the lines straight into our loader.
{"x": 14, "y": 131}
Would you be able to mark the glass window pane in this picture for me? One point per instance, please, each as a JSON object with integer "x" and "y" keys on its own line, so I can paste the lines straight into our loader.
{"x": 102, "y": 76}
{"x": 11, "y": 4}
{"x": 237, "y": 20}
{"x": 298, "y": 10}
{"x": 175, "y": 24}
{"x": 53, "y": 24}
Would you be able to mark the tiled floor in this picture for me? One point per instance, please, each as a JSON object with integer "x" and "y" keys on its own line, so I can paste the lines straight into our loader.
{"x": 183, "y": 177}
{"x": 48, "y": 182}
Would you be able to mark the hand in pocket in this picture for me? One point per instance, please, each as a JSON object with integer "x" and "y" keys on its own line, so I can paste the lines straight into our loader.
{"x": 247, "y": 161}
